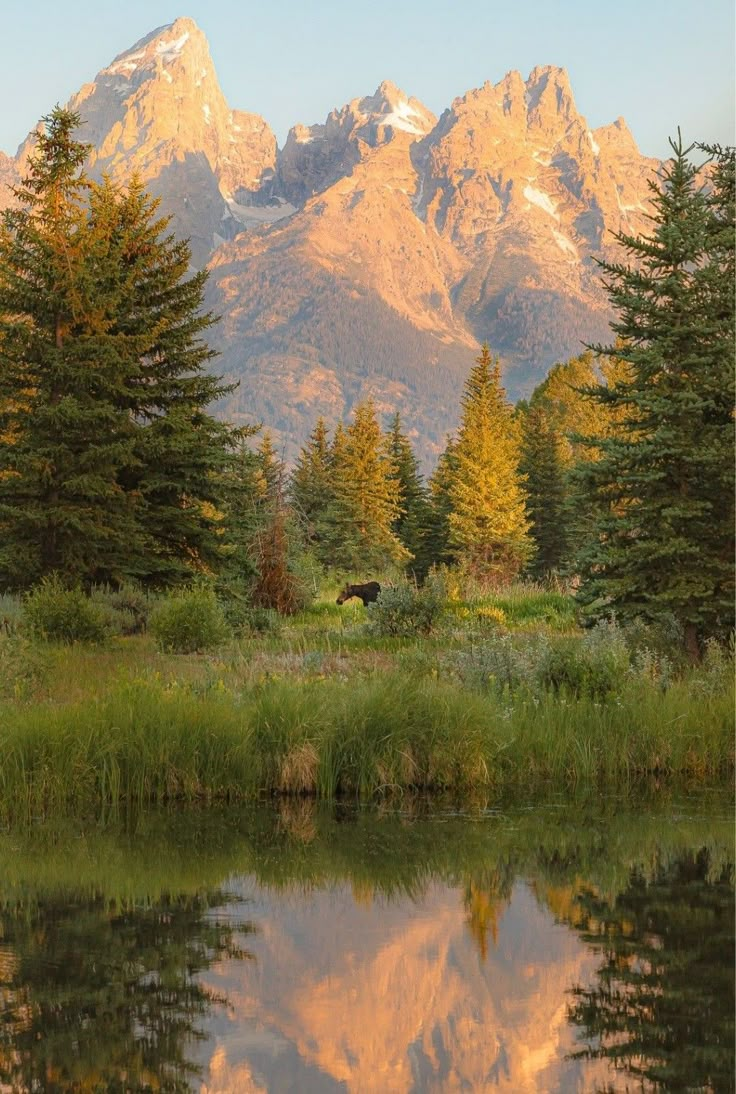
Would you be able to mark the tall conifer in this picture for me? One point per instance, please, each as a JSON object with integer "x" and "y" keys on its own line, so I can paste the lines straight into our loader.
{"x": 488, "y": 522}
{"x": 310, "y": 488}
{"x": 663, "y": 486}
{"x": 410, "y": 526}
{"x": 366, "y": 497}
{"x": 106, "y": 451}
{"x": 542, "y": 467}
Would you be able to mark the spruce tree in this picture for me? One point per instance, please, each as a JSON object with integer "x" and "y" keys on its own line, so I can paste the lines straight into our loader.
{"x": 366, "y": 497}
{"x": 310, "y": 488}
{"x": 410, "y": 526}
{"x": 106, "y": 452}
{"x": 63, "y": 434}
{"x": 663, "y": 485}
{"x": 436, "y": 546}
{"x": 542, "y": 466}
{"x": 180, "y": 448}
{"x": 271, "y": 470}
{"x": 488, "y": 522}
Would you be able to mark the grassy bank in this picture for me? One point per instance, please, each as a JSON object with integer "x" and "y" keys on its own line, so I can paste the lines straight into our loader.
{"x": 326, "y": 707}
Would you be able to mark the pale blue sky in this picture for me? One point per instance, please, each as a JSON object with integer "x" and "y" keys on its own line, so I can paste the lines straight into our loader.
{"x": 659, "y": 63}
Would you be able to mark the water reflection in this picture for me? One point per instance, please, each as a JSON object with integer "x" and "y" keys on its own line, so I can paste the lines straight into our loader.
{"x": 103, "y": 995}
{"x": 316, "y": 950}
{"x": 661, "y": 1004}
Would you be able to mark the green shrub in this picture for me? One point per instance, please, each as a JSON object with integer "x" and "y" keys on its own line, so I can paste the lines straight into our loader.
{"x": 262, "y": 621}
{"x": 190, "y": 620}
{"x": 56, "y": 613}
{"x": 499, "y": 664}
{"x": 404, "y": 611}
{"x": 126, "y": 609}
{"x": 714, "y": 676}
{"x": 594, "y": 666}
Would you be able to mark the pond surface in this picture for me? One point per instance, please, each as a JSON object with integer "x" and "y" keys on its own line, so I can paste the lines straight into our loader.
{"x": 560, "y": 947}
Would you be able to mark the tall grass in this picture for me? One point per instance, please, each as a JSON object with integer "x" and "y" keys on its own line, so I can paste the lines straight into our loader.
{"x": 150, "y": 741}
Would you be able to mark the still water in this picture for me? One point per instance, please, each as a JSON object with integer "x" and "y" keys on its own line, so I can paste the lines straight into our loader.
{"x": 560, "y": 947}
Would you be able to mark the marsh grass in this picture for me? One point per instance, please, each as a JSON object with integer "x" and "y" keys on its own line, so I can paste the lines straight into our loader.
{"x": 325, "y": 708}
{"x": 148, "y": 740}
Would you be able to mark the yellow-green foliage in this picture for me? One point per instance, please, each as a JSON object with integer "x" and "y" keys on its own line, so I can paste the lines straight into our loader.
{"x": 488, "y": 524}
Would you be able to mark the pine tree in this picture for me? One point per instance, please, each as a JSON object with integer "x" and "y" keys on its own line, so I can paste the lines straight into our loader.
{"x": 310, "y": 489}
{"x": 180, "y": 448}
{"x": 542, "y": 466}
{"x": 366, "y": 497}
{"x": 411, "y": 523}
{"x": 63, "y": 439}
{"x": 488, "y": 523}
{"x": 106, "y": 452}
{"x": 663, "y": 486}
{"x": 241, "y": 500}
{"x": 271, "y": 469}
{"x": 436, "y": 546}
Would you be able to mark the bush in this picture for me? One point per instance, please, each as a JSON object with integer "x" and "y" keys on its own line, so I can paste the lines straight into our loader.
{"x": 126, "y": 609}
{"x": 499, "y": 664}
{"x": 594, "y": 666}
{"x": 189, "y": 621}
{"x": 262, "y": 621}
{"x": 56, "y": 613}
{"x": 403, "y": 610}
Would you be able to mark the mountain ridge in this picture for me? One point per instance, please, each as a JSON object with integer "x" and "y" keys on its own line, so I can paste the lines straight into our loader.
{"x": 373, "y": 252}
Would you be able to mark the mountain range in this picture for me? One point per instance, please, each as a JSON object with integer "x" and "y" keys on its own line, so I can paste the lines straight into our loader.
{"x": 374, "y": 252}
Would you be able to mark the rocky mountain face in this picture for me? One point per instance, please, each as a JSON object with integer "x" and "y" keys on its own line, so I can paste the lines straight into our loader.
{"x": 374, "y": 252}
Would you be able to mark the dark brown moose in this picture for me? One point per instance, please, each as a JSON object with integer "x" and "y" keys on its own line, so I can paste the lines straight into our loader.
{"x": 367, "y": 593}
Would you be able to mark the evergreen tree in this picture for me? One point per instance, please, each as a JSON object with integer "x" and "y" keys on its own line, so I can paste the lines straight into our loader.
{"x": 488, "y": 525}
{"x": 572, "y": 413}
{"x": 240, "y": 490}
{"x": 410, "y": 526}
{"x": 436, "y": 549}
{"x": 366, "y": 497}
{"x": 311, "y": 489}
{"x": 271, "y": 470}
{"x": 62, "y": 436}
{"x": 663, "y": 485}
{"x": 106, "y": 452}
{"x": 542, "y": 466}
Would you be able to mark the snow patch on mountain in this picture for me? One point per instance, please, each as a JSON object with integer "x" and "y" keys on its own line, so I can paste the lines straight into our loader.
{"x": 566, "y": 245}
{"x": 400, "y": 118}
{"x": 544, "y": 201}
{"x": 171, "y": 48}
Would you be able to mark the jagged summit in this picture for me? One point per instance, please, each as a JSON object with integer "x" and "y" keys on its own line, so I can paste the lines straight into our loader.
{"x": 166, "y": 42}
{"x": 378, "y": 248}
{"x": 158, "y": 108}
{"x": 390, "y": 106}
{"x": 316, "y": 156}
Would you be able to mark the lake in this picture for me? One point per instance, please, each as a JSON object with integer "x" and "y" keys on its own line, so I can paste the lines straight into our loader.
{"x": 417, "y": 946}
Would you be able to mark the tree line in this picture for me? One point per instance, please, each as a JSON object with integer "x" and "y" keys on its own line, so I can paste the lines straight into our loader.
{"x": 616, "y": 473}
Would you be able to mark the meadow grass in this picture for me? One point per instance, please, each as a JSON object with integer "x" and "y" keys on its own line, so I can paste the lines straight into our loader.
{"x": 151, "y": 740}
{"x": 505, "y": 698}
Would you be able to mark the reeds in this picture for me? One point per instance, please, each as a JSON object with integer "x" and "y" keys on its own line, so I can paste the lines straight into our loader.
{"x": 151, "y": 740}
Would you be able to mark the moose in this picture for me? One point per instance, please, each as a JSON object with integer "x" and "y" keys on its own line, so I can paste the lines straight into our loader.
{"x": 368, "y": 593}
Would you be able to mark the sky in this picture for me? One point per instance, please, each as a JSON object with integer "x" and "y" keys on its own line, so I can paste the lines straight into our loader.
{"x": 657, "y": 63}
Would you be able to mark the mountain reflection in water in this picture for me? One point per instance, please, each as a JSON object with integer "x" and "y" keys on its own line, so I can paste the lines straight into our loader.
{"x": 305, "y": 949}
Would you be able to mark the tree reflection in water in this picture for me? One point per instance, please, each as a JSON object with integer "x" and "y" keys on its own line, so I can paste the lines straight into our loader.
{"x": 663, "y": 1004}
{"x": 103, "y": 995}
